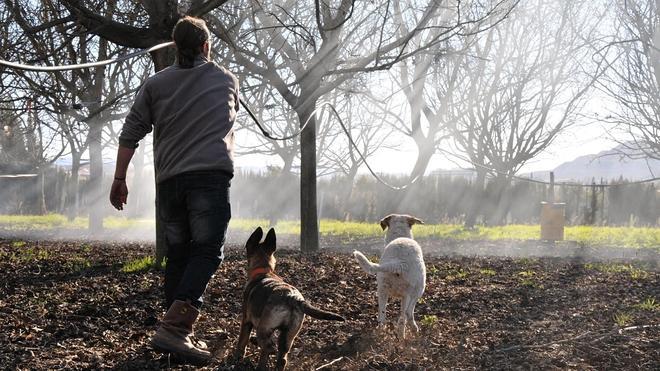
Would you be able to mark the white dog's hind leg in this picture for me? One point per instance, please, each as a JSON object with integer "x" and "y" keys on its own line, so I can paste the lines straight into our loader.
{"x": 404, "y": 318}
{"x": 401, "y": 326}
{"x": 383, "y": 296}
{"x": 410, "y": 314}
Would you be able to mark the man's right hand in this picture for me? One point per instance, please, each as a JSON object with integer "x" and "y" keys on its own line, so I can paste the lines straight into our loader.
{"x": 118, "y": 194}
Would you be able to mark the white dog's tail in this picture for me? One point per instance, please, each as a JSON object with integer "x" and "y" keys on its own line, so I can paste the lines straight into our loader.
{"x": 373, "y": 268}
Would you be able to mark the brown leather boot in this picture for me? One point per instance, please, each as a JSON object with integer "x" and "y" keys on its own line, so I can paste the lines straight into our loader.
{"x": 175, "y": 335}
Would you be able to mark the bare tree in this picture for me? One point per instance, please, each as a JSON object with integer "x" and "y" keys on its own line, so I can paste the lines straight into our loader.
{"x": 522, "y": 85}
{"x": 427, "y": 97}
{"x": 303, "y": 51}
{"x": 143, "y": 25}
{"x": 633, "y": 79}
{"x": 79, "y": 103}
{"x": 367, "y": 124}
{"x": 276, "y": 118}
{"x": 306, "y": 52}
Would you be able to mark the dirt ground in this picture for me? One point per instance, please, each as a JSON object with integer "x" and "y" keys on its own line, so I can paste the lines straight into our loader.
{"x": 68, "y": 305}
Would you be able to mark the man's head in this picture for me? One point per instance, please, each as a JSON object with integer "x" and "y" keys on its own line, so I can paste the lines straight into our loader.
{"x": 191, "y": 37}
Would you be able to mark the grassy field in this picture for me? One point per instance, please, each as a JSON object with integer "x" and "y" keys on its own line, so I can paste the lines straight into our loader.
{"x": 632, "y": 237}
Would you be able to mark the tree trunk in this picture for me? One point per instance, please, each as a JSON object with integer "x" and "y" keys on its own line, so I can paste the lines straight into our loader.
{"x": 41, "y": 192}
{"x": 348, "y": 193}
{"x": 61, "y": 191}
{"x": 138, "y": 170}
{"x": 72, "y": 197}
{"x": 655, "y": 50}
{"x": 498, "y": 216}
{"x": 426, "y": 149}
{"x": 162, "y": 58}
{"x": 95, "y": 177}
{"x": 95, "y": 140}
{"x": 309, "y": 228}
{"x": 473, "y": 211}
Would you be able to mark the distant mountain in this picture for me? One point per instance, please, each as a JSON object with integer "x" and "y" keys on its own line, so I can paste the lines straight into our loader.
{"x": 608, "y": 165}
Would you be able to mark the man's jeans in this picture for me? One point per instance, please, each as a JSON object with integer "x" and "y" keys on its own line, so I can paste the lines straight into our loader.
{"x": 195, "y": 211}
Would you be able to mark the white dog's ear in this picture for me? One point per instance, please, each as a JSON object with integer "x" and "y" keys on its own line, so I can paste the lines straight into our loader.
{"x": 413, "y": 220}
{"x": 385, "y": 222}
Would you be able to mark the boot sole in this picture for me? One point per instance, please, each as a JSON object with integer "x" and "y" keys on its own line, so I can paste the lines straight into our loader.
{"x": 182, "y": 357}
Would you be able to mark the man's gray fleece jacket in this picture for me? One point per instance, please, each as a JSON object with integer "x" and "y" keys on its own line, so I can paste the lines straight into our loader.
{"x": 192, "y": 113}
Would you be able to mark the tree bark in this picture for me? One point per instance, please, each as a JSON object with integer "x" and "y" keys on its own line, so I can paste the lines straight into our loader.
{"x": 498, "y": 216}
{"x": 41, "y": 192}
{"x": 96, "y": 123}
{"x": 162, "y": 58}
{"x": 136, "y": 194}
{"x": 95, "y": 177}
{"x": 309, "y": 227}
{"x": 72, "y": 197}
{"x": 473, "y": 211}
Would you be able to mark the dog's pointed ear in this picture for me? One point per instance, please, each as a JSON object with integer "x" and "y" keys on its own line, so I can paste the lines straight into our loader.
{"x": 270, "y": 243}
{"x": 385, "y": 222}
{"x": 254, "y": 239}
{"x": 414, "y": 220}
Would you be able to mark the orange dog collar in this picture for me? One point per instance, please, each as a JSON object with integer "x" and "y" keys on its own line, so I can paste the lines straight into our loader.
{"x": 257, "y": 271}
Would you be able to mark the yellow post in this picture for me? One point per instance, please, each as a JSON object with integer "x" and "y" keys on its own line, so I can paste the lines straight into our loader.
{"x": 552, "y": 221}
{"x": 552, "y": 216}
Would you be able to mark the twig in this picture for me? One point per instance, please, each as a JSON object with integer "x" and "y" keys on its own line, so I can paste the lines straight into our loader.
{"x": 636, "y": 328}
{"x": 329, "y": 363}
{"x": 602, "y": 336}
{"x": 515, "y": 347}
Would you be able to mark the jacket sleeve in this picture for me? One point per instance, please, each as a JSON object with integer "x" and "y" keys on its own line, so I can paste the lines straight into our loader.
{"x": 139, "y": 122}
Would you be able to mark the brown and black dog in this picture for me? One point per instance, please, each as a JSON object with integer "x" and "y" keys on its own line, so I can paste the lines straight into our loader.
{"x": 271, "y": 304}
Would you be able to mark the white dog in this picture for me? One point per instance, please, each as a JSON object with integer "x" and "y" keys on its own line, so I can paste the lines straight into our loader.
{"x": 401, "y": 272}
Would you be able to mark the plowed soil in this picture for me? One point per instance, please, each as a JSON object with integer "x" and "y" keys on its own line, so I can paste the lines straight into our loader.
{"x": 68, "y": 305}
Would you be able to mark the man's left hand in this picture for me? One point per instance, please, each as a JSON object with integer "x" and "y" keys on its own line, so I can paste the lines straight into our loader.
{"x": 118, "y": 194}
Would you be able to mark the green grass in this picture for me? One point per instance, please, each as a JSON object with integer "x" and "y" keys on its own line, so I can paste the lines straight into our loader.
{"x": 139, "y": 265}
{"x": 77, "y": 263}
{"x": 614, "y": 236}
{"x": 623, "y": 319}
{"x": 58, "y": 221}
{"x": 609, "y": 267}
{"x": 527, "y": 274}
{"x": 432, "y": 270}
{"x": 487, "y": 272}
{"x": 638, "y": 274}
{"x": 631, "y": 237}
{"x": 456, "y": 274}
{"x": 648, "y": 304}
{"x": 635, "y": 272}
{"x": 429, "y": 320}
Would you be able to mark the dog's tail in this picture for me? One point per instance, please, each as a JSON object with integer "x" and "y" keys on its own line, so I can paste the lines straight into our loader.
{"x": 365, "y": 264}
{"x": 317, "y": 313}
{"x": 373, "y": 268}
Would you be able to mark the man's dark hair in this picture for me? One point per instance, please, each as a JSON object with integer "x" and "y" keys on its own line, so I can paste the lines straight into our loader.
{"x": 189, "y": 35}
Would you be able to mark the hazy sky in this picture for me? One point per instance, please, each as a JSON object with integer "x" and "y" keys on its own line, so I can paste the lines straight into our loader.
{"x": 587, "y": 137}
{"x": 583, "y": 141}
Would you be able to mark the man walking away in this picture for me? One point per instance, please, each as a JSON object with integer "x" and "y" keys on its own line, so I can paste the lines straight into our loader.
{"x": 191, "y": 107}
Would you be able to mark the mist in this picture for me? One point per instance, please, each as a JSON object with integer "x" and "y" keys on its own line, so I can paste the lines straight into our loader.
{"x": 484, "y": 99}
